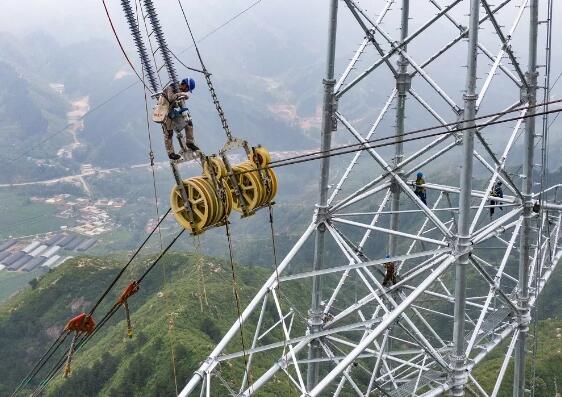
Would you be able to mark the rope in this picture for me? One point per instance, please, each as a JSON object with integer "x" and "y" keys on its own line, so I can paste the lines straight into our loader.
{"x": 160, "y": 256}
{"x": 436, "y": 127}
{"x": 172, "y": 350}
{"x": 367, "y": 144}
{"x": 236, "y": 293}
{"x": 202, "y": 294}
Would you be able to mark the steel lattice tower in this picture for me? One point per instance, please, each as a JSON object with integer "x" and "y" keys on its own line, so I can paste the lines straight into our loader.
{"x": 466, "y": 280}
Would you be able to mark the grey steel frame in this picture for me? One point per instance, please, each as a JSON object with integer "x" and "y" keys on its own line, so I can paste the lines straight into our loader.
{"x": 387, "y": 341}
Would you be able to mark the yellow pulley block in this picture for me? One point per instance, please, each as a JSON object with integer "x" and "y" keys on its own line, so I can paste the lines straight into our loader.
{"x": 207, "y": 207}
{"x": 251, "y": 185}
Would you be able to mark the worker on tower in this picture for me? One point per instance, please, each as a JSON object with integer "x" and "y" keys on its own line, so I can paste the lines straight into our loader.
{"x": 171, "y": 115}
{"x": 420, "y": 189}
{"x": 390, "y": 276}
{"x": 497, "y": 191}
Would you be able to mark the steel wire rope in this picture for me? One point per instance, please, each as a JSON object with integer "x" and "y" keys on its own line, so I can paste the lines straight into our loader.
{"x": 212, "y": 91}
{"x": 111, "y": 312}
{"x": 108, "y": 289}
{"x": 112, "y": 97}
{"x": 236, "y": 293}
{"x": 118, "y": 276}
{"x": 149, "y": 269}
{"x": 225, "y": 23}
{"x": 202, "y": 289}
{"x": 553, "y": 85}
{"x": 435, "y": 127}
{"x": 122, "y": 48}
{"x": 367, "y": 144}
{"x": 276, "y": 267}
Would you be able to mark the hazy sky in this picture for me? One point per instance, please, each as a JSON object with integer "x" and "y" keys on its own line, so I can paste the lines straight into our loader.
{"x": 303, "y": 20}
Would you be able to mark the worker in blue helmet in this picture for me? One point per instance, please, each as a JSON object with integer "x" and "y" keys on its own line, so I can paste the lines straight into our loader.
{"x": 176, "y": 120}
{"x": 420, "y": 188}
{"x": 390, "y": 275}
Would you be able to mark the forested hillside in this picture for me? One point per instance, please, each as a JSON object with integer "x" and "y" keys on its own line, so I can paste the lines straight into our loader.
{"x": 172, "y": 331}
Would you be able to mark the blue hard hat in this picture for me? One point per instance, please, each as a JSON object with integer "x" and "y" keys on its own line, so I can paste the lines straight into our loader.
{"x": 388, "y": 256}
{"x": 190, "y": 83}
{"x": 419, "y": 175}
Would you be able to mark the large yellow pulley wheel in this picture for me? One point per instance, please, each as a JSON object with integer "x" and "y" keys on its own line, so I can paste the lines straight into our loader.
{"x": 199, "y": 206}
{"x": 250, "y": 186}
{"x": 210, "y": 196}
{"x": 207, "y": 207}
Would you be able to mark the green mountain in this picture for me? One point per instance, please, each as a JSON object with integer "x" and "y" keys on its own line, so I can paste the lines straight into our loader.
{"x": 173, "y": 329}
{"x": 170, "y": 325}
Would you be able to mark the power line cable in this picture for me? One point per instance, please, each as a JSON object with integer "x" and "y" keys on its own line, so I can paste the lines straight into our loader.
{"x": 118, "y": 276}
{"x": 41, "y": 362}
{"x": 104, "y": 320}
{"x": 435, "y": 127}
{"x": 368, "y": 144}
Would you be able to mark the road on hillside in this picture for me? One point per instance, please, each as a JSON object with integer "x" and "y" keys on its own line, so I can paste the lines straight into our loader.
{"x": 96, "y": 171}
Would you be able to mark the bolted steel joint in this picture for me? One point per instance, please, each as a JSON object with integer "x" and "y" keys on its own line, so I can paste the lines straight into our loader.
{"x": 458, "y": 377}
{"x": 322, "y": 215}
{"x": 403, "y": 82}
{"x": 524, "y": 318}
{"x": 282, "y": 362}
{"x": 470, "y": 97}
{"x": 461, "y": 246}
